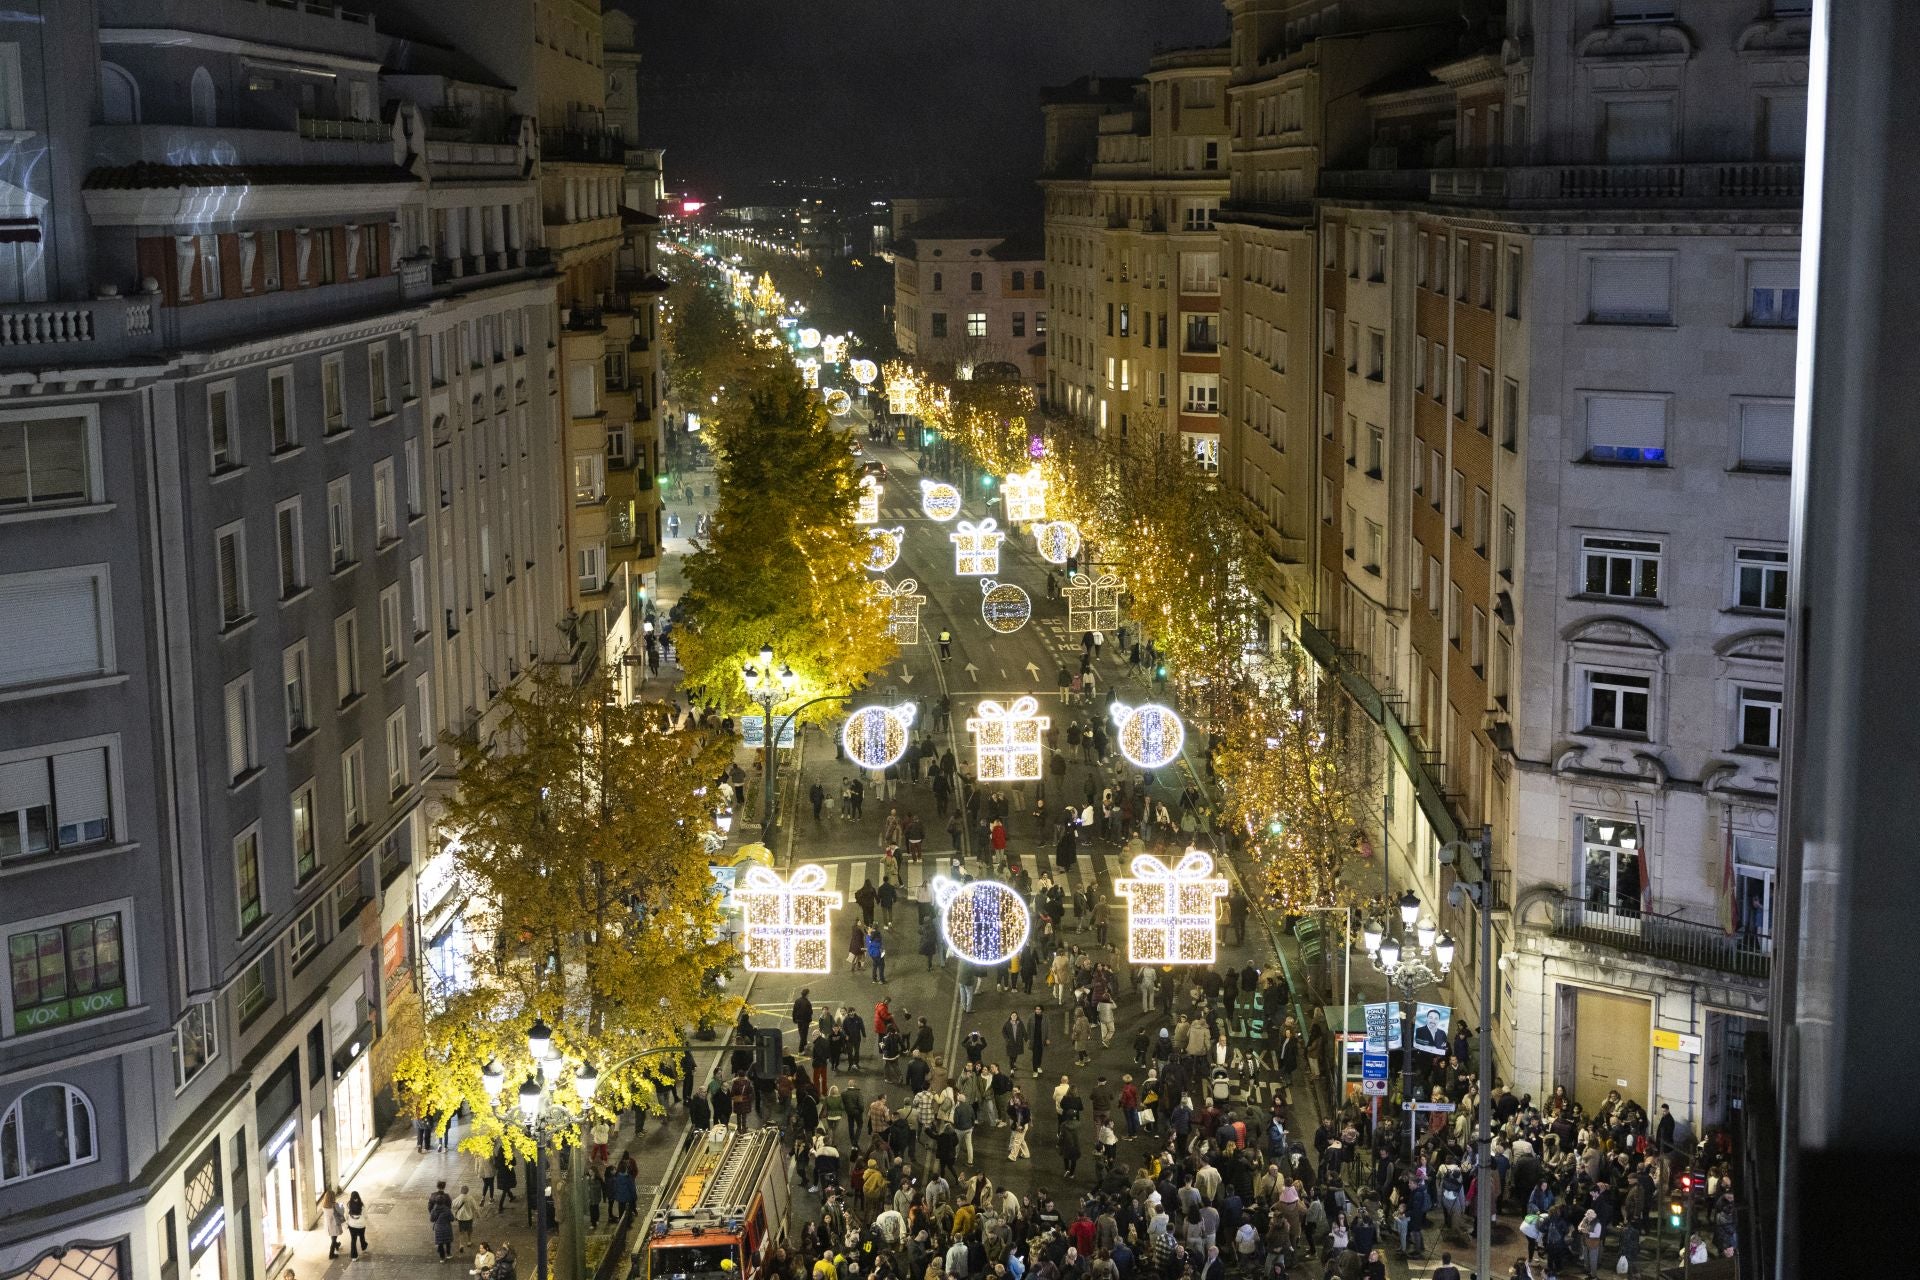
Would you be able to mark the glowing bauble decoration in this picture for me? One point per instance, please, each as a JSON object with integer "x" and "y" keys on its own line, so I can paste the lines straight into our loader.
{"x": 839, "y": 403}
{"x": 833, "y": 349}
{"x": 809, "y": 371}
{"x": 866, "y": 507}
{"x": 1025, "y": 494}
{"x": 1005, "y": 607}
{"x": 1093, "y": 604}
{"x": 1173, "y": 912}
{"x": 983, "y": 921}
{"x": 1058, "y": 540}
{"x": 875, "y": 737}
{"x": 809, "y": 338}
{"x": 864, "y": 372}
{"x": 1150, "y": 737}
{"x": 903, "y": 610}
{"x": 939, "y": 500}
{"x": 1006, "y": 740}
{"x": 976, "y": 547}
{"x": 883, "y": 548}
{"x": 786, "y": 926}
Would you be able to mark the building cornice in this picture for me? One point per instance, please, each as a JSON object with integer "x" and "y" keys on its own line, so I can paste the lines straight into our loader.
{"x": 311, "y": 61}
{"x": 201, "y": 207}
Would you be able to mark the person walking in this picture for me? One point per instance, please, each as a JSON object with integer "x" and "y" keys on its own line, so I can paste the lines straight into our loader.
{"x": 877, "y": 955}
{"x": 356, "y": 1227}
{"x": 817, "y": 797}
{"x": 336, "y": 1223}
{"x": 464, "y": 1212}
{"x": 1020, "y": 1122}
{"x": 868, "y": 897}
{"x": 441, "y": 1216}
{"x": 1037, "y": 1038}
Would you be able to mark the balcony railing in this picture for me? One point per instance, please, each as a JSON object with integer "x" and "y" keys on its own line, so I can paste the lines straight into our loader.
{"x": 344, "y": 130}
{"x": 1686, "y": 942}
{"x": 1744, "y": 182}
{"x": 106, "y": 326}
{"x": 584, "y": 148}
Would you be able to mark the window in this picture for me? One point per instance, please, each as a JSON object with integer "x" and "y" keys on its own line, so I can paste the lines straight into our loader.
{"x": 1376, "y": 541}
{"x": 1460, "y": 270}
{"x": 1773, "y": 293}
{"x": 443, "y": 471}
{"x": 353, "y": 787}
{"x": 1353, "y": 346}
{"x": 1508, "y": 535}
{"x": 223, "y": 433}
{"x": 1514, "y": 277}
{"x": 55, "y": 801}
{"x": 1644, "y": 10}
{"x": 287, "y": 537}
{"x": 47, "y": 1128}
{"x": 391, "y": 652}
{"x": 293, "y": 678}
{"x": 340, "y": 521}
{"x": 1200, "y": 272}
{"x": 397, "y": 752}
{"x": 589, "y": 479}
{"x": 1617, "y": 702}
{"x": 1352, "y": 532}
{"x": 386, "y": 519}
{"x": 423, "y": 710}
{"x": 1483, "y": 281}
{"x": 1433, "y": 585}
{"x": 346, "y": 656}
{"x": 230, "y": 559}
{"x": 1629, "y": 288}
{"x": 1457, "y": 389}
{"x": 304, "y": 941}
{"x": 195, "y": 1042}
{"x": 207, "y": 252}
{"x": 1437, "y": 479}
{"x": 305, "y": 858}
{"x": 1627, "y": 428}
{"x": 282, "y": 431}
{"x": 417, "y": 593}
{"x": 1477, "y": 642}
{"x": 411, "y": 460}
{"x": 333, "y": 394}
{"x": 1760, "y": 579}
{"x": 939, "y": 322}
{"x": 1759, "y": 718}
{"x": 48, "y": 462}
{"x": 1019, "y": 323}
{"x": 1329, "y": 331}
{"x": 54, "y": 625}
{"x": 1376, "y": 452}
{"x": 1766, "y": 435}
{"x": 66, "y": 973}
{"x": 1457, "y": 503}
{"x": 937, "y": 282}
{"x": 253, "y": 994}
{"x": 976, "y": 324}
{"x": 1612, "y": 875}
{"x": 1439, "y": 263}
{"x": 1477, "y": 530}
{"x": 1455, "y": 603}
{"x": 348, "y": 897}
{"x": 1200, "y": 392}
{"x": 1376, "y": 355}
{"x": 1376, "y": 255}
{"x": 1622, "y": 568}
{"x": 591, "y": 567}
{"x": 1637, "y": 132}
{"x": 975, "y": 282}
{"x": 1483, "y": 401}
{"x": 1019, "y": 282}
{"x": 246, "y": 879}
{"x": 1509, "y": 414}
{"x": 243, "y": 756}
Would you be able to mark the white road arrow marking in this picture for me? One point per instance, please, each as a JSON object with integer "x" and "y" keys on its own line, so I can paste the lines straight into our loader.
{"x": 1033, "y": 670}
{"x": 906, "y": 676}
{"x": 974, "y": 672}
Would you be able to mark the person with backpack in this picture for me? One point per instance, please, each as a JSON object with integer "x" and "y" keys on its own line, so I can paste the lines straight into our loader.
{"x": 877, "y": 955}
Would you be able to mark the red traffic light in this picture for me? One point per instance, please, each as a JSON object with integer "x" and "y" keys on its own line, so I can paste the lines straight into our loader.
{"x": 1686, "y": 1183}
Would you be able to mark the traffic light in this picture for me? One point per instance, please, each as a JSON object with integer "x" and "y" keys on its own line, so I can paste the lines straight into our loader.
{"x": 926, "y": 437}
{"x": 1676, "y": 1215}
{"x": 1160, "y": 672}
{"x": 986, "y": 482}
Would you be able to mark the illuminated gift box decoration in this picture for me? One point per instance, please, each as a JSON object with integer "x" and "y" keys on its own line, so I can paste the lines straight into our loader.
{"x": 1150, "y": 737}
{"x": 1173, "y": 912}
{"x": 976, "y": 547}
{"x": 883, "y": 547}
{"x": 809, "y": 372}
{"x": 1025, "y": 494}
{"x": 1004, "y": 606}
{"x": 903, "y": 610}
{"x": 833, "y": 349}
{"x": 983, "y": 921}
{"x": 785, "y": 921}
{"x": 939, "y": 500}
{"x": 1007, "y": 740}
{"x": 1057, "y": 540}
{"x": 875, "y": 737}
{"x": 1093, "y": 604}
{"x": 866, "y": 508}
{"x": 899, "y": 395}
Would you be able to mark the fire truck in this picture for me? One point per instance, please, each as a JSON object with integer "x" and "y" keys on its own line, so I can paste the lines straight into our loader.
{"x": 724, "y": 1199}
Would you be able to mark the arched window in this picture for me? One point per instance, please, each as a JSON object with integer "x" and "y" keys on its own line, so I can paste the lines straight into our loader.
{"x": 46, "y": 1129}
{"x": 974, "y": 282}
{"x": 119, "y": 95}
{"x": 203, "y": 99}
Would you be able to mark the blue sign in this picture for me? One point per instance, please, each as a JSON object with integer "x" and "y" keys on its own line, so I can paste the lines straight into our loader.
{"x": 1373, "y": 1066}
{"x": 753, "y": 731}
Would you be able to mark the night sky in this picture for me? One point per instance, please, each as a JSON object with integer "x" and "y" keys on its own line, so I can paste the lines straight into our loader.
{"x": 935, "y": 96}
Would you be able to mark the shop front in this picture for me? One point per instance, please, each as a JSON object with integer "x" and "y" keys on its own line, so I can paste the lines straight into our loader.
{"x": 277, "y": 1116}
{"x": 206, "y": 1218}
{"x": 350, "y": 1022}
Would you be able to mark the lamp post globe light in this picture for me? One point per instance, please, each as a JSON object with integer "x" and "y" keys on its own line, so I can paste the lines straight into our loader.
{"x": 541, "y": 1116}
{"x": 768, "y": 687}
{"x": 1409, "y": 964}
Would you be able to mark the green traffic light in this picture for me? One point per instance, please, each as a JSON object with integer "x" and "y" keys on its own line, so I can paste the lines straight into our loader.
{"x": 986, "y": 482}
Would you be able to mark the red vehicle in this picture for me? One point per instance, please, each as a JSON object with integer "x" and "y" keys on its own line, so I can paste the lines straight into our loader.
{"x": 724, "y": 1199}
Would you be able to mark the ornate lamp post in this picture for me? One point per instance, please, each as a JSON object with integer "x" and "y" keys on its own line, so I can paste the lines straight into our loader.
{"x": 1409, "y": 965}
{"x": 767, "y": 688}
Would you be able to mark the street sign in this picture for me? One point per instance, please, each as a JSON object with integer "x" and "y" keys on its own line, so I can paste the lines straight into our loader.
{"x": 1428, "y": 1106}
{"x": 1679, "y": 1042}
{"x": 753, "y": 731}
{"x": 1373, "y": 1074}
{"x": 1373, "y": 1088}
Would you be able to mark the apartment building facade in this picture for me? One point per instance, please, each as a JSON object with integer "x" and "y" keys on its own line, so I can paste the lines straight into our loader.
{"x": 968, "y": 294}
{"x": 1525, "y": 490}
{"x": 1133, "y": 253}
{"x": 280, "y": 496}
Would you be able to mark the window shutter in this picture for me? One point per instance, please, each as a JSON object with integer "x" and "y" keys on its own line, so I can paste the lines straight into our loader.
{"x": 49, "y": 629}
{"x": 23, "y": 785}
{"x": 1774, "y": 273}
{"x": 1631, "y": 288}
{"x": 80, "y": 785}
{"x": 1621, "y": 422}
{"x": 1766, "y": 435}
{"x": 230, "y": 607}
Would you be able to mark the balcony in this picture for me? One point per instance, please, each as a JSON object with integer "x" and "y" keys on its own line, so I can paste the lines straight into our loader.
{"x": 620, "y": 530}
{"x": 50, "y": 334}
{"x": 1684, "y": 942}
{"x": 1377, "y": 184}
{"x": 1764, "y": 183}
{"x": 574, "y": 147}
{"x": 314, "y": 127}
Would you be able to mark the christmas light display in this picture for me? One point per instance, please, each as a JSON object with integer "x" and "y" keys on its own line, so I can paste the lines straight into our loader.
{"x": 864, "y": 372}
{"x": 809, "y": 371}
{"x": 1007, "y": 740}
{"x": 939, "y": 500}
{"x": 976, "y": 547}
{"x": 810, "y": 338}
{"x": 875, "y": 737}
{"x": 1004, "y": 606}
{"x": 983, "y": 921}
{"x": 1093, "y": 604}
{"x": 1025, "y": 494}
{"x": 1173, "y": 912}
{"x": 883, "y": 548}
{"x": 833, "y": 349}
{"x": 1150, "y": 737}
{"x": 1057, "y": 540}
{"x": 866, "y": 507}
{"x": 899, "y": 395}
{"x": 766, "y": 339}
{"x": 839, "y": 403}
{"x": 785, "y": 921}
{"x": 903, "y": 610}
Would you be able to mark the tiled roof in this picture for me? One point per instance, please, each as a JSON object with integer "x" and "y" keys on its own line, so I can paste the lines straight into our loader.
{"x": 146, "y": 177}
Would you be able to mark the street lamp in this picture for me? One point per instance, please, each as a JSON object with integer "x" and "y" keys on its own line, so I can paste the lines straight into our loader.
{"x": 1408, "y": 966}
{"x": 766, "y": 688}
